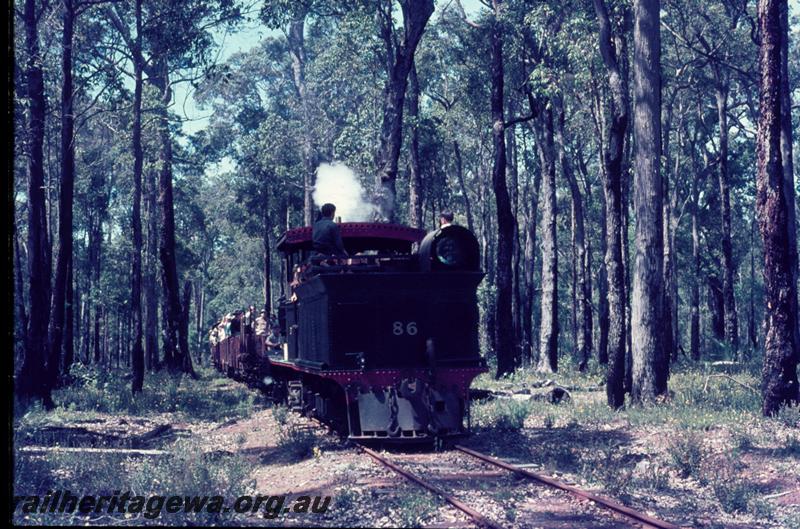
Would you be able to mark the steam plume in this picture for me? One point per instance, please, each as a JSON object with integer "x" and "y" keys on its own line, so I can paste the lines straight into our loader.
{"x": 339, "y": 185}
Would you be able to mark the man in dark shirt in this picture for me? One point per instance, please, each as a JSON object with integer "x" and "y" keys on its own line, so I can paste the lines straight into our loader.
{"x": 326, "y": 235}
{"x": 445, "y": 218}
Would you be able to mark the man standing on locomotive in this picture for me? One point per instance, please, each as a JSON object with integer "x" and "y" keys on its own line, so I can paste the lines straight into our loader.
{"x": 326, "y": 235}
{"x": 445, "y": 218}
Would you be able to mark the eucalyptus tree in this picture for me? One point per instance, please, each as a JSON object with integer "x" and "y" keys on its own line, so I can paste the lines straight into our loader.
{"x": 31, "y": 383}
{"x": 717, "y": 37}
{"x": 787, "y": 157}
{"x": 399, "y": 60}
{"x": 292, "y": 18}
{"x": 612, "y": 47}
{"x": 779, "y": 382}
{"x": 175, "y": 41}
{"x": 650, "y": 363}
{"x": 496, "y": 23}
{"x": 255, "y": 124}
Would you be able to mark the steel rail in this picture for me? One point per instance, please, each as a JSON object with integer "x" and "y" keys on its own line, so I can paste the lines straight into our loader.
{"x": 600, "y": 500}
{"x": 472, "y": 513}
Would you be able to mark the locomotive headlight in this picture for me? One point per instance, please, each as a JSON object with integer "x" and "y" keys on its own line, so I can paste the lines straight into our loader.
{"x": 449, "y": 248}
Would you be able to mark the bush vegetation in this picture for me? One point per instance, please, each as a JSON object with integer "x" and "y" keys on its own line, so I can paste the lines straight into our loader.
{"x": 187, "y": 471}
{"x": 210, "y": 397}
{"x": 585, "y": 438}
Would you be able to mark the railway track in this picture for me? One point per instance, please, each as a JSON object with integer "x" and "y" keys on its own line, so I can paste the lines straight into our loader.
{"x": 618, "y": 514}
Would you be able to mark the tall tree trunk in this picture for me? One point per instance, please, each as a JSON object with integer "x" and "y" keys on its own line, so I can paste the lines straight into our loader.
{"x": 787, "y": 158}
{"x": 670, "y": 348}
{"x": 779, "y": 383}
{"x": 716, "y": 306}
{"x": 98, "y": 350}
{"x": 183, "y": 335}
{"x": 487, "y": 245}
{"x": 105, "y": 354}
{"x": 530, "y": 268}
{"x": 136, "y": 218}
{"x": 200, "y": 299}
{"x": 650, "y": 364}
{"x": 583, "y": 295}
{"x": 150, "y": 278}
{"x": 21, "y": 316}
{"x": 400, "y": 59}
{"x": 602, "y": 289}
{"x": 731, "y": 320}
{"x": 512, "y": 173}
{"x": 573, "y": 284}
{"x": 612, "y": 188}
{"x": 626, "y": 260}
{"x": 69, "y": 324}
{"x": 464, "y": 191}
{"x": 58, "y": 306}
{"x": 671, "y": 220}
{"x": 267, "y": 256}
{"x": 415, "y": 176}
{"x": 530, "y": 289}
{"x": 548, "y": 326}
{"x": 31, "y": 383}
{"x": 751, "y": 320}
{"x": 694, "y": 309}
{"x": 601, "y": 283}
{"x": 508, "y": 357}
{"x": 296, "y": 40}
{"x": 175, "y": 355}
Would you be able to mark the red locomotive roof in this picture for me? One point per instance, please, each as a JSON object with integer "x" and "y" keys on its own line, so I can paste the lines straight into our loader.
{"x": 358, "y": 234}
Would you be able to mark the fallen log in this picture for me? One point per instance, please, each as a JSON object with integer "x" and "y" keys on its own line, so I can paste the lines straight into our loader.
{"x": 139, "y": 440}
{"x": 742, "y": 384}
{"x": 48, "y": 450}
{"x": 553, "y": 394}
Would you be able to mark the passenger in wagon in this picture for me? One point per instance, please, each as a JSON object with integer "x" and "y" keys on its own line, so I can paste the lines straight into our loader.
{"x": 225, "y": 331}
{"x": 326, "y": 235}
{"x": 249, "y": 317}
{"x": 261, "y": 324}
{"x": 274, "y": 340}
{"x": 236, "y": 322}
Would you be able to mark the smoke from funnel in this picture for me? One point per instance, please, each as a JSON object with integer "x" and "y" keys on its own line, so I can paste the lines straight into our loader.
{"x": 338, "y": 184}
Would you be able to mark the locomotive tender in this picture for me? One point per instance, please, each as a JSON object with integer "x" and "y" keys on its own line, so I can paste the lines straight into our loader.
{"x": 383, "y": 344}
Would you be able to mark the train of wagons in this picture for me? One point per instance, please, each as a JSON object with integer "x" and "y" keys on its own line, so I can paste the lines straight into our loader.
{"x": 382, "y": 344}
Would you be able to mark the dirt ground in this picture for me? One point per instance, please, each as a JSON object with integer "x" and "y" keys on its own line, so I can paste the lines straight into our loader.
{"x": 693, "y": 470}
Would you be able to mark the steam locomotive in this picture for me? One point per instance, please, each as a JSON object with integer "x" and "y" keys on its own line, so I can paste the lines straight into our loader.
{"x": 383, "y": 344}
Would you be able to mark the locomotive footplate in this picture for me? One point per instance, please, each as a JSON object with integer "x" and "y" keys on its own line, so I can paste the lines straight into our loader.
{"x": 401, "y": 404}
{"x": 412, "y": 408}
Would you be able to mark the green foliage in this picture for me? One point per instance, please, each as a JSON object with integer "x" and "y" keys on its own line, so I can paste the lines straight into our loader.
{"x": 186, "y": 469}
{"x": 297, "y": 440}
{"x": 209, "y": 398}
{"x": 789, "y": 416}
{"x": 686, "y": 453}
{"x": 346, "y": 499}
{"x": 557, "y": 455}
{"x": 734, "y": 493}
{"x": 414, "y": 508}
{"x": 280, "y": 414}
{"x": 502, "y": 414}
{"x": 654, "y": 477}
{"x": 792, "y": 447}
{"x": 607, "y": 465}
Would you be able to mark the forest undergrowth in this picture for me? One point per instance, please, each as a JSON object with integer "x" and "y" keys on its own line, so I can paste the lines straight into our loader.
{"x": 703, "y": 457}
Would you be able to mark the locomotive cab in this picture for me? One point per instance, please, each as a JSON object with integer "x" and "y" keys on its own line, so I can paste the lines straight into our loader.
{"x": 395, "y": 330}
